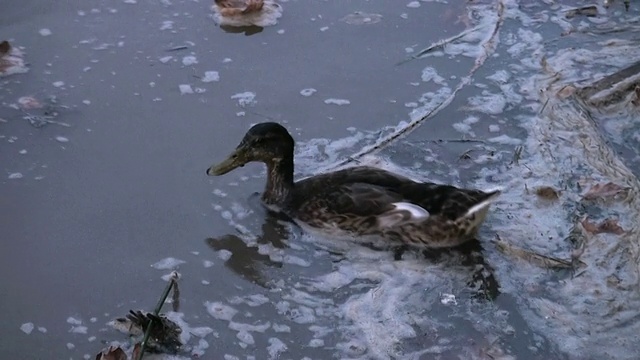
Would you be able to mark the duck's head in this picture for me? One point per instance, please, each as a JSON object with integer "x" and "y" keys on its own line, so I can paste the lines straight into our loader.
{"x": 267, "y": 142}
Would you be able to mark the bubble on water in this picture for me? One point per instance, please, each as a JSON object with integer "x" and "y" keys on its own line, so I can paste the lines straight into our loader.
{"x": 165, "y": 59}
{"x": 324, "y": 28}
{"x": 168, "y": 263}
{"x": 316, "y": 343}
{"x": 281, "y": 328}
{"x": 15, "y": 175}
{"x": 220, "y": 311}
{"x": 62, "y": 139}
{"x": 505, "y": 140}
{"x": 80, "y": 329}
{"x": 430, "y": 74}
{"x": 494, "y": 128}
{"x": 488, "y": 103}
{"x": 207, "y": 263}
{"x": 27, "y": 328}
{"x": 338, "y": 102}
{"x": 167, "y": 25}
{"x": 58, "y": 84}
{"x": 185, "y": 89}
{"x": 210, "y": 76}
{"x": 413, "y": 4}
{"x": 276, "y": 347}
{"x": 189, "y": 60}
{"x": 42, "y": 329}
{"x": 45, "y": 32}
{"x": 74, "y": 321}
{"x": 245, "y": 98}
{"x": 70, "y": 346}
{"x": 307, "y": 92}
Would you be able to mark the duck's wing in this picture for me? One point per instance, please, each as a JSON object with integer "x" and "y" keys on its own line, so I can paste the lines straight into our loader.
{"x": 376, "y": 205}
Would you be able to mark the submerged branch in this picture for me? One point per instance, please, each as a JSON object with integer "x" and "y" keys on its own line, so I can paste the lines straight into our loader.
{"x": 173, "y": 281}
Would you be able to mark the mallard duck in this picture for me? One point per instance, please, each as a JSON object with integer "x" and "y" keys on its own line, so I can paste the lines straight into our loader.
{"x": 11, "y": 61}
{"x": 360, "y": 202}
{"x": 246, "y": 12}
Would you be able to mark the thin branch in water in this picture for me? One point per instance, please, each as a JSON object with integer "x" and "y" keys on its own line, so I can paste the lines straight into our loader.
{"x": 439, "y": 44}
{"x": 172, "y": 282}
{"x": 489, "y": 48}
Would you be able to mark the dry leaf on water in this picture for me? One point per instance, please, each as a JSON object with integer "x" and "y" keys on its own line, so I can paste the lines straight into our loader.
{"x": 606, "y": 226}
{"x": 112, "y": 353}
{"x": 603, "y": 191}
{"x": 547, "y": 193}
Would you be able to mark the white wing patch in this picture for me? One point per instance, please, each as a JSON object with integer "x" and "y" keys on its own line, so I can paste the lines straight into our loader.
{"x": 403, "y": 212}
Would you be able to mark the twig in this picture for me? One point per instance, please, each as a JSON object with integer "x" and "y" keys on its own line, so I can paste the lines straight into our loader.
{"x": 439, "y": 44}
{"x": 172, "y": 281}
{"x": 488, "y": 46}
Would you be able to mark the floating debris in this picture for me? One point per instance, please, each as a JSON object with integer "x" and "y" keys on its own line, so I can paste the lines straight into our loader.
{"x": 532, "y": 257}
{"x": 604, "y": 191}
{"x": 164, "y": 333}
{"x": 547, "y": 193}
{"x": 239, "y": 13}
{"x": 361, "y": 18}
{"x": 112, "y": 353}
{"x": 589, "y": 11}
{"x": 609, "y": 226}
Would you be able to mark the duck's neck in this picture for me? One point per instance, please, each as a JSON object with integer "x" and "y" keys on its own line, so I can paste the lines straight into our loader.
{"x": 279, "y": 182}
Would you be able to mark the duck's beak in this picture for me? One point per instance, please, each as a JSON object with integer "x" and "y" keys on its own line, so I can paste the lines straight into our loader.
{"x": 236, "y": 159}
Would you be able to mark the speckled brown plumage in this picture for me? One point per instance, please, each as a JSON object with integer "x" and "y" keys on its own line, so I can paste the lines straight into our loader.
{"x": 360, "y": 201}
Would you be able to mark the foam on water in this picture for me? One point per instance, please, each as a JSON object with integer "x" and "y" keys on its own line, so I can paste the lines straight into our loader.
{"x": 168, "y": 263}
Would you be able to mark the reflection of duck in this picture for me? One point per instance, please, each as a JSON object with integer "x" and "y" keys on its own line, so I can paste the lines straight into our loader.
{"x": 360, "y": 201}
{"x": 246, "y": 12}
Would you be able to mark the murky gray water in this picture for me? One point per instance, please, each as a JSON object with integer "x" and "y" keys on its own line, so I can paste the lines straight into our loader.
{"x": 115, "y": 182}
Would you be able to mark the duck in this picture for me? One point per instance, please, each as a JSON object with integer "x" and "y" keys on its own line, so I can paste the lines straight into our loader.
{"x": 11, "y": 60}
{"x": 360, "y": 202}
{"x": 241, "y": 13}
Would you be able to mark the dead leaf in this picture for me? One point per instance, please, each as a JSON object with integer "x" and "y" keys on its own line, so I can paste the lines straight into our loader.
{"x": 566, "y": 91}
{"x": 547, "y": 193}
{"x": 603, "y": 191}
{"x": 112, "y": 353}
{"x": 136, "y": 351}
{"x": 606, "y": 226}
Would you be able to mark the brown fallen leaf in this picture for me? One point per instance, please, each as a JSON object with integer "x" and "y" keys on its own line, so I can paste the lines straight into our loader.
{"x": 566, "y": 91}
{"x": 603, "y": 191}
{"x": 547, "y": 193}
{"x": 606, "y": 226}
{"x": 112, "y": 353}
